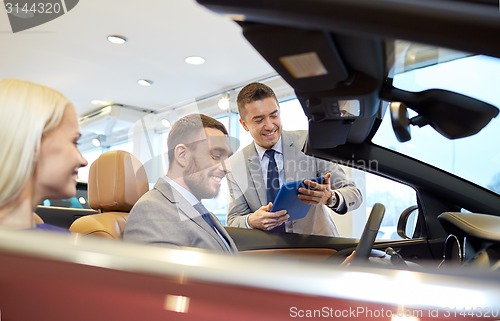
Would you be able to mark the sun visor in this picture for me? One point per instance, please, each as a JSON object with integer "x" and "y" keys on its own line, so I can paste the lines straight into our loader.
{"x": 336, "y": 78}
{"x": 307, "y": 59}
{"x": 328, "y": 133}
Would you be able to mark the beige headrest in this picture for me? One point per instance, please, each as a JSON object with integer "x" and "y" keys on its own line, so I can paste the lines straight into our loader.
{"x": 117, "y": 180}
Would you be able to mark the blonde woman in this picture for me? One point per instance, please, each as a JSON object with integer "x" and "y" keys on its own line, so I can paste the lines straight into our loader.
{"x": 39, "y": 157}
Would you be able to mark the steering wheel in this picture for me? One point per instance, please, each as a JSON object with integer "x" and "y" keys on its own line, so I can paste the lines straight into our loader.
{"x": 365, "y": 244}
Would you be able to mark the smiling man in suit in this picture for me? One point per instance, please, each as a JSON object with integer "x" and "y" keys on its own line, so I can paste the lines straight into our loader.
{"x": 171, "y": 213}
{"x": 274, "y": 148}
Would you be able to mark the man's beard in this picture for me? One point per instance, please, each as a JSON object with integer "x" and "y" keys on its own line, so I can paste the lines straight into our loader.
{"x": 197, "y": 188}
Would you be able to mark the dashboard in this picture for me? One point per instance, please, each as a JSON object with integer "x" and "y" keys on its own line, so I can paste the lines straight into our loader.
{"x": 473, "y": 240}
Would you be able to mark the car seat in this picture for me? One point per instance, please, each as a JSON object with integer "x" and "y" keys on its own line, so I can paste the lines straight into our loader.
{"x": 117, "y": 179}
{"x": 37, "y": 218}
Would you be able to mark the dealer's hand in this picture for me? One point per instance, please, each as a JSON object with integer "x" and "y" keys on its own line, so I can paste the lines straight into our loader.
{"x": 262, "y": 219}
{"x": 316, "y": 193}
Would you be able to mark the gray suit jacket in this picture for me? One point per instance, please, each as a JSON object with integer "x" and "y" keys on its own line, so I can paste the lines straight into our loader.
{"x": 163, "y": 216}
{"x": 248, "y": 189}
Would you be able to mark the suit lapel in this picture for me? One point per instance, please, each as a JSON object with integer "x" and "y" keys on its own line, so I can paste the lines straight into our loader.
{"x": 291, "y": 156}
{"x": 188, "y": 212}
{"x": 255, "y": 170}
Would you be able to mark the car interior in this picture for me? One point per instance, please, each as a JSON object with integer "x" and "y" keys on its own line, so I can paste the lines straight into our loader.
{"x": 348, "y": 87}
{"x": 345, "y": 91}
{"x": 364, "y": 76}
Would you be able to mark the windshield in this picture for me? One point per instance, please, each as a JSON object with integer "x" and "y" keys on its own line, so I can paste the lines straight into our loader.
{"x": 475, "y": 158}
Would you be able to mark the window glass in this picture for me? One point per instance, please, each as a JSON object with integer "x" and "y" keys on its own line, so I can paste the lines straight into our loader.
{"x": 90, "y": 156}
{"x": 292, "y": 118}
{"x": 292, "y": 115}
{"x": 396, "y": 197}
{"x": 375, "y": 189}
{"x": 475, "y": 158}
{"x": 80, "y": 200}
{"x": 244, "y": 137}
{"x": 127, "y": 146}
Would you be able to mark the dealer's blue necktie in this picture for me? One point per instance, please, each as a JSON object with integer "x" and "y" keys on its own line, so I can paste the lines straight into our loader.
{"x": 273, "y": 183}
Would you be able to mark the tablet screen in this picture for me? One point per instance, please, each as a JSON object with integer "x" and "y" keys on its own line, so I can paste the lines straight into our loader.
{"x": 287, "y": 199}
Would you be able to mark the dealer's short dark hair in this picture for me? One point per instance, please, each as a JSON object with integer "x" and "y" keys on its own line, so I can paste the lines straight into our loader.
{"x": 253, "y": 92}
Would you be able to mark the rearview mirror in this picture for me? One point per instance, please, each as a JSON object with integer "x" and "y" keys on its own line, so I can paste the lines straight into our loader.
{"x": 451, "y": 114}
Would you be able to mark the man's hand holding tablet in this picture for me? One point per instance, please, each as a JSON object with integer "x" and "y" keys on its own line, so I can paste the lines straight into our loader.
{"x": 297, "y": 197}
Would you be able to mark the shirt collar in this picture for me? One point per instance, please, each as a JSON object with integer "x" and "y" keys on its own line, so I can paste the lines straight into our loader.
{"x": 278, "y": 147}
{"x": 184, "y": 192}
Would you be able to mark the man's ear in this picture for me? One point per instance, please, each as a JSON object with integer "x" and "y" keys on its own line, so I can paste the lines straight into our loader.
{"x": 244, "y": 124}
{"x": 182, "y": 155}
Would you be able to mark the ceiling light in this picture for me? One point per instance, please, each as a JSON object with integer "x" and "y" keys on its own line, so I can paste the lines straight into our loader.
{"x": 224, "y": 102}
{"x": 165, "y": 123}
{"x": 145, "y": 82}
{"x": 96, "y": 141}
{"x": 82, "y": 200}
{"x": 117, "y": 39}
{"x": 195, "y": 60}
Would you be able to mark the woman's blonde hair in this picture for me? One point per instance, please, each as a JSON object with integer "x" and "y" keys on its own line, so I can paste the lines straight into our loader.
{"x": 27, "y": 112}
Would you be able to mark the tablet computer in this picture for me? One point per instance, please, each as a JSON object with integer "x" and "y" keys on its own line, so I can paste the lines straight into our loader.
{"x": 287, "y": 199}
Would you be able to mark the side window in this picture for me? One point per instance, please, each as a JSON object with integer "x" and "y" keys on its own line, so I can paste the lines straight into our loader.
{"x": 395, "y": 196}
{"x": 80, "y": 200}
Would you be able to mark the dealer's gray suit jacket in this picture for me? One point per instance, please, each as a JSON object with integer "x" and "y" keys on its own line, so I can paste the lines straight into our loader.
{"x": 163, "y": 216}
{"x": 248, "y": 189}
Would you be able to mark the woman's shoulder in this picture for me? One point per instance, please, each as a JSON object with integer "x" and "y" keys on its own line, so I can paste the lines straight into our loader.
{"x": 49, "y": 227}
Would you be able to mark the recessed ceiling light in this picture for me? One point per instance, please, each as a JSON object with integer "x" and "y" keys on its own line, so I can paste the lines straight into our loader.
{"x": 117, "y": 39}
{"x": 165, "y": 123}
{"x": 195, "y": 60}
{"x": 145, "y": 82}
{"x": 96, "y": 141}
